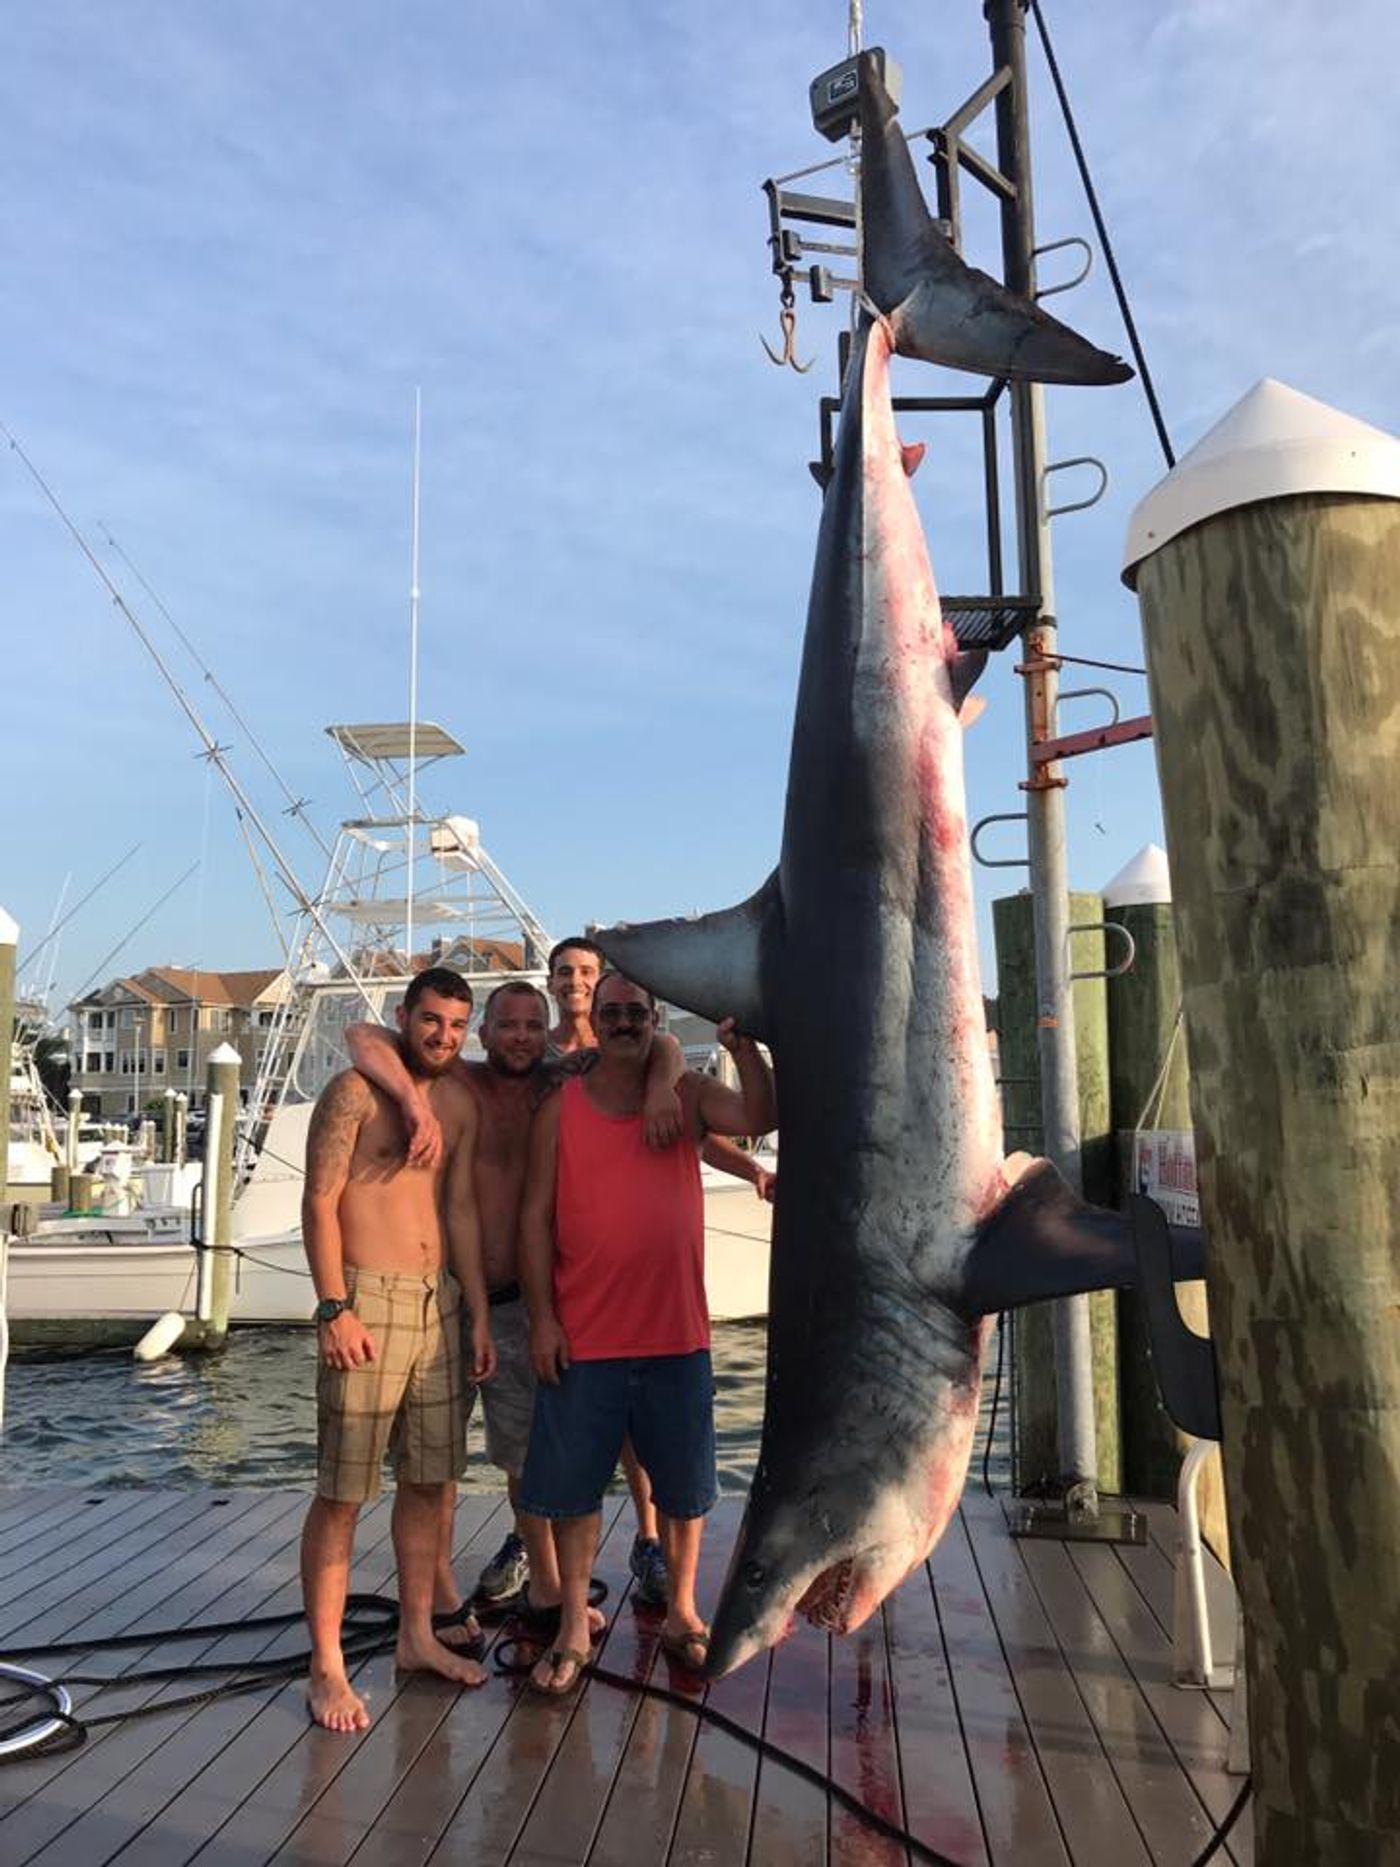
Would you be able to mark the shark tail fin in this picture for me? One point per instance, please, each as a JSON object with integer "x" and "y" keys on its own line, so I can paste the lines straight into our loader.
{"x": 710, "y": 964}
{"x": 941, "y": 309}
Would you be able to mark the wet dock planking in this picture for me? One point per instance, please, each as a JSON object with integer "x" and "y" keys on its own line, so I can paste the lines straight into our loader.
{"x": 1012, "y": 1703}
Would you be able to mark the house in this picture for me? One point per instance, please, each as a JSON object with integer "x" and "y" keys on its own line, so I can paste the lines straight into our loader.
{"x": 136, "y": 1037}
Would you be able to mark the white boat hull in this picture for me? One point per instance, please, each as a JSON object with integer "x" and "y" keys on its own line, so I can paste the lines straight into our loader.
{"x": 83, "y": 1281}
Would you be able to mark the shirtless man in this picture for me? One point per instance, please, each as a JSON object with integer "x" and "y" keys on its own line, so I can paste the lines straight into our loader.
{"x": 388, "y": 1331}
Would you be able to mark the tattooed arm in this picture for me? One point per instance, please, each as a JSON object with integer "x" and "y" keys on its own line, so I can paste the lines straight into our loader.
{"x": 330, "y": 1146}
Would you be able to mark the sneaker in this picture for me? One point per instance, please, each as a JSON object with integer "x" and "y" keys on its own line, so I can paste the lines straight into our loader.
{"x": 507, "y": 1572}
{"x": 648, "y": 1565}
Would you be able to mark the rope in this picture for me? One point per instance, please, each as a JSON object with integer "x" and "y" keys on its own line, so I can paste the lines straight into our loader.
{"x": 1091, "y": 195}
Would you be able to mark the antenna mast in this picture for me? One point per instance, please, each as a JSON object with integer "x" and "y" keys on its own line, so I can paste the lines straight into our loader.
{"x": 413, "y": 681}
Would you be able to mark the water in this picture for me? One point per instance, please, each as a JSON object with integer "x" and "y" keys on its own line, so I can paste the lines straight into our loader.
{"x": 247, "y": 1417}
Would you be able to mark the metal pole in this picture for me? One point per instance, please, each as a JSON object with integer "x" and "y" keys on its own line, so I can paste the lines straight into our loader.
{"x": 1044, "y": 787}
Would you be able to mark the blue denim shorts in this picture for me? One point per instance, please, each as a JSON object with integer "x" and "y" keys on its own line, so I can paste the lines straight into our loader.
{"x": 666, "y": 1403}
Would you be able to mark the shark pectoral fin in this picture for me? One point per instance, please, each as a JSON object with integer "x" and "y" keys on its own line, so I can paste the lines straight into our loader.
{"x": 1042, "y": 1241}
{"x": 709, "y": 964}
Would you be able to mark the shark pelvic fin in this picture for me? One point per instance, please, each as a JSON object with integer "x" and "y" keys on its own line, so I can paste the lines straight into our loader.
{"x": 963, "y": 672}
{"x": 709, "y": 964}
{"x": 1043, "y": 1241}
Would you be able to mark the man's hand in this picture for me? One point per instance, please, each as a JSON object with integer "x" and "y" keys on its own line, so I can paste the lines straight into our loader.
{"x": 345, "y": 1342}
{"x": 662, "y": 1120}
{"x": 483, "y": 1351}
{"x": 424, "y": 1130}
{"x": 549, "y": 1350}
{"x": 733, "y": 1039}
{"x": 765, "y": 1184}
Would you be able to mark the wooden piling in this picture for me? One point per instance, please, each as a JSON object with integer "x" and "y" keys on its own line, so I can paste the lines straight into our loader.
{"x": 1273, "y": 646}
{"x": 215, "y": 1280}
{"x": 9, "y": 947}
{"x": 1036, "y": 1439}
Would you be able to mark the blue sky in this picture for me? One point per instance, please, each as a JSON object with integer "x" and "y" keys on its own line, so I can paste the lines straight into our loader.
{"x": 237, "y": 238}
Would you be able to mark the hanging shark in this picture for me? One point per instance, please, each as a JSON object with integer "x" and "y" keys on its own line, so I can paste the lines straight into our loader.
{"x": 900, "y": 1228}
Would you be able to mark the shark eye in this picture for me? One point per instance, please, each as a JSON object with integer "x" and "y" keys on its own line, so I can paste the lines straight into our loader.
{"x": 755, "y": 1574}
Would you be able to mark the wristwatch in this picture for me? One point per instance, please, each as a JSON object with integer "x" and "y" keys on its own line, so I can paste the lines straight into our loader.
{"x": 330, "y": 1307}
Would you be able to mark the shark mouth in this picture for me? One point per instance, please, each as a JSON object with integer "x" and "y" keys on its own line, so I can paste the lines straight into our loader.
{"x": 827, "y": 1602}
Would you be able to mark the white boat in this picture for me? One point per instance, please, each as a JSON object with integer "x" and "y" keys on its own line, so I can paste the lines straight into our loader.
{"x": 396, "y": 873}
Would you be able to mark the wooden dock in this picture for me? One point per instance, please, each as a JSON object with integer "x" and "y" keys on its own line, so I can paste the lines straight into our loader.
{"x": 1012, "y": 1705}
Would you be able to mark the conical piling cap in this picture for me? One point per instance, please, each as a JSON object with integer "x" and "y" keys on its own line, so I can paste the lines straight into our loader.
{"x": 1144, "y": 882}
{"x": 1273, "y": 443}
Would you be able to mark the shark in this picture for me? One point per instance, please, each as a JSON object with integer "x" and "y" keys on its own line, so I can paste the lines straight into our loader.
{"x": 901, "y": 1227}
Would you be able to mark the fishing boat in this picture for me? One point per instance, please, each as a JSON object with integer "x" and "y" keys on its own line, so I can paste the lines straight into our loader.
{"x": 401, "y": 881}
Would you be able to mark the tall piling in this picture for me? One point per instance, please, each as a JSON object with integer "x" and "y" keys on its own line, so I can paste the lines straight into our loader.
{"x": 215, "y": 1286}
{"x": 1266, "y": 566}
{"x": 9, "y": 947}
{"x": 1037, "y": 1446}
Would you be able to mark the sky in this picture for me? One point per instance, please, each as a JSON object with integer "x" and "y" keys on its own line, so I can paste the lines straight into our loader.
{"x": 238, "y": 239}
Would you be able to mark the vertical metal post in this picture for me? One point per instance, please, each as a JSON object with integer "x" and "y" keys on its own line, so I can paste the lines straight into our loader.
{"x": 1044, "y": 788}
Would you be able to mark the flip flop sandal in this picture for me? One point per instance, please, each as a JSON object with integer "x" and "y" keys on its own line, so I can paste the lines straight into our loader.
{"x": 557, "y": 1657}
{"x": 682, "y": 1648}
{"x": 448, "y": 1618}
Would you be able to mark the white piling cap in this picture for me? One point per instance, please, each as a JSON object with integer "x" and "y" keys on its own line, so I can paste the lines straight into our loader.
{"x": 9, "y": 930}
{"x": 225, "y": 1054}
{"x": 1144, "y": 882}
{"x": 1274, "y": 442}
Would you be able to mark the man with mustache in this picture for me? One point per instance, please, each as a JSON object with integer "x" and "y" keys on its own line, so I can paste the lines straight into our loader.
{"x": 612, "y": 1258}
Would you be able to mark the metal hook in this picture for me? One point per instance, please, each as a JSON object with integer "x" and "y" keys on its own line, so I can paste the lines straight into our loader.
{"x": 787, "y": 319}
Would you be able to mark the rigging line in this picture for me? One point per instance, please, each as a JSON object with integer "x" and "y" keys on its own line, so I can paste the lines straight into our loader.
{"x": 296, "y": 806}
{"x": 103, "y": 964}
{"x": 1110, "y": 261}
{"x": 213, "y": 750}
{"x": 59, "y": 926}
{"x": 1085, "y": 661}
{"x": 261, "y": 874}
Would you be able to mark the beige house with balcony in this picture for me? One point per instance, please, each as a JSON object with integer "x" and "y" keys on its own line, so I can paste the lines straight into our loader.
{"x": 136, "y": 1037}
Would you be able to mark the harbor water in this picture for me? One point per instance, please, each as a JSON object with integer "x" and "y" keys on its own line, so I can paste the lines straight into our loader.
{"x": 247, "y": 1416}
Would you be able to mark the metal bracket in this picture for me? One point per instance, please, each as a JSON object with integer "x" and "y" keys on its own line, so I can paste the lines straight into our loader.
{"x": 1106, "y": 927}
{"x": 1066, "y": 285}
{"x": 1002, "y": 862}
{"x": 1075, "y": 505}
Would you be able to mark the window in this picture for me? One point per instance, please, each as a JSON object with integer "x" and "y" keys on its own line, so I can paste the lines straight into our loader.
{"x": 266, "y": 1015}
{"x": 158, "y": 1062}
{"x": 110, "y": 1067}
{"x": 182, "y": 1059}
{"x": 127, "y": 1018}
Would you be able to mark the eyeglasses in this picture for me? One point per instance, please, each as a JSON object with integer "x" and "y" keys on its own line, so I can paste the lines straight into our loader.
{"x": 623, "y": 1014}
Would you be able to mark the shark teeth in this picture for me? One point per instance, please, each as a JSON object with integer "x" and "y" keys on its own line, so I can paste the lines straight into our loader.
{"x": 827, "y": 1601}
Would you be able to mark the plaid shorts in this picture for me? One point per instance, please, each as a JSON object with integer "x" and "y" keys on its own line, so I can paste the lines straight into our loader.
{"x": 409, "y": 1400}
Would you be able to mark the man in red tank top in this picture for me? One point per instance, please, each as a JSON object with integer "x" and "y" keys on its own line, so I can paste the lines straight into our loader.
{"x": 612, "y": 1259}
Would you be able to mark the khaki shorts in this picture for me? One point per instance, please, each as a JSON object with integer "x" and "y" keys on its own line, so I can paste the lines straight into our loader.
{"x": 508, "y": 1398}
{"x": 409, "y": 1400}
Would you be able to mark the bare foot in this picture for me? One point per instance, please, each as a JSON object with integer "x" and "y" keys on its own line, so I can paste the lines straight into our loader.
{"x": 334, "y": 1704}
{"x": 431, "y": 1656}
{"x": 457, "y": 1627}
